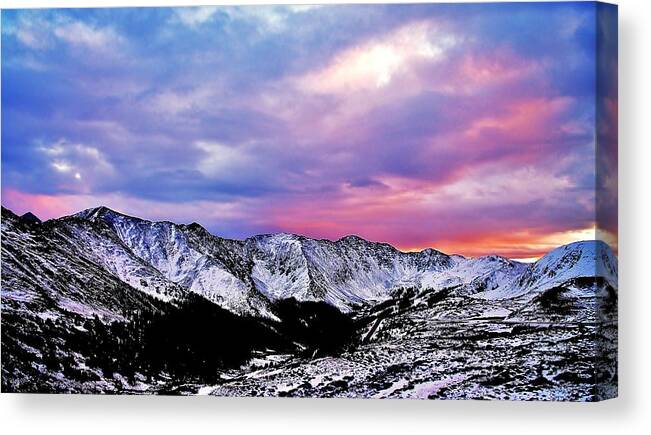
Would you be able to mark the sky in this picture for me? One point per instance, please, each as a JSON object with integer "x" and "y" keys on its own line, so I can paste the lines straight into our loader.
{"x": 467, "y": 128}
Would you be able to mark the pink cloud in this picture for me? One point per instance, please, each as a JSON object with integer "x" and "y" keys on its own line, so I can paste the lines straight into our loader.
{"x": 517, "y": 213}
{"x": 54, "y": 206}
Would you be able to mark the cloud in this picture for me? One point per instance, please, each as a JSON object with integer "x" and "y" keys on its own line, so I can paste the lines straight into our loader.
{"x": 53, "y": 206}
{"x": 270, "y": 19}
{"x": 31, "y": 37}
{"x": 50, "y": 31}
{"x": 221, "y": 158}
{"x": 73, "y": 161}
{"x": 80, "y": 34}
{"x": 497, "y": 209}
{"x": 30, "y": 30}
{"x": 373, "y": 64}
{"x": 453, "y": 126}
{"x": 174, "y": 102}
{"x": 195, "y": 16}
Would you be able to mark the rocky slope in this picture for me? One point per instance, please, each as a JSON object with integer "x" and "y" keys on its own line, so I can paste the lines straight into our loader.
{"x": 77, "y": 265}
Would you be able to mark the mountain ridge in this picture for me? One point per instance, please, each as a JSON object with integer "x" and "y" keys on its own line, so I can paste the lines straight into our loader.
{"x": 165, "y": 260}
{"x": 94, "y": 211}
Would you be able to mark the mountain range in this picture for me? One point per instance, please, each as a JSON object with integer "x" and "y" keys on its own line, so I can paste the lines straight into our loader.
{"x": 100, "y": 301}
{"x": 166, "y": 260}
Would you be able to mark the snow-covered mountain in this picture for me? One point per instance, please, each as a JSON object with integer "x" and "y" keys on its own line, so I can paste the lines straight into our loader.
{"x": 243, "y": 275}
{"x": 75, "y": 265}
{"x": 104, "y": 302}
{"x": 586, "y": 259}
{"x": 165, "y": 260}
{"x": 188, "y": 256}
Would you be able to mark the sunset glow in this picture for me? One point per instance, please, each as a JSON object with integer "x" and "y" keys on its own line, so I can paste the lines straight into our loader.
{"x": 467, "y": 128}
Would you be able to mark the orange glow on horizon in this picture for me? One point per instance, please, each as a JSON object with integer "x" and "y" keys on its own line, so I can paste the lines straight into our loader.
{"x": 523, "y": 246}
{"x": 520, "y": 245}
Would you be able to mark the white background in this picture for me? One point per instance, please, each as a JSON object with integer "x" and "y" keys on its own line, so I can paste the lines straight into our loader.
{"x": 630, "y": 413}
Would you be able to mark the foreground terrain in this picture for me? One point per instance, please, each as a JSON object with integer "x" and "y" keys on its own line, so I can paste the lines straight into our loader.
{"x": 415, "y": 355}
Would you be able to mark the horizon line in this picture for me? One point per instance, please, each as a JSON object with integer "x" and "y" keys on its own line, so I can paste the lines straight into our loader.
{"x": 332, "y": 240}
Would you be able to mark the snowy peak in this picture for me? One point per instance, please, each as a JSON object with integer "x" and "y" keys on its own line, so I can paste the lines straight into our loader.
{"x": 344, "y": 273}
{"x": 190, "y": 257}
{"x": 592, "y": 258}
{"x": 97, "y": 213}
{"x": 584, "y": 259}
